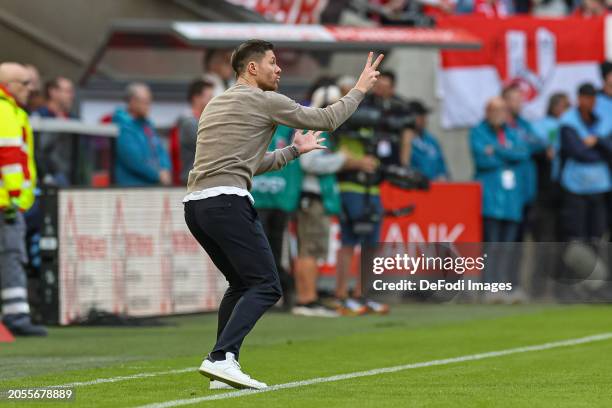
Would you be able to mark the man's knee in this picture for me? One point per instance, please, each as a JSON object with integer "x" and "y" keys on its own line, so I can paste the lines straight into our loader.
{"x": 273, "y": 291}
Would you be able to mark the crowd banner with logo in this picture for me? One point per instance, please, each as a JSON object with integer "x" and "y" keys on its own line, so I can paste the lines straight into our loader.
{"x": 544, "y": 56}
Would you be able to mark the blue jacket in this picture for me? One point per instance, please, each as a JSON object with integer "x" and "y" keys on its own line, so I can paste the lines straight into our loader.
{"x": 499, "y": 173}
{"x": 527, "y": 168}
{"x": 603, "y": 106}
{"x": 585, "y": 170}
{"x": 427, "y": 156}
{"x": 139, "y": 152}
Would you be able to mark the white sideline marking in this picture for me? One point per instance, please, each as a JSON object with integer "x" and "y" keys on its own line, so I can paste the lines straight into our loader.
{"x": 124, "y": 377}
{"x": 471, "y": 357}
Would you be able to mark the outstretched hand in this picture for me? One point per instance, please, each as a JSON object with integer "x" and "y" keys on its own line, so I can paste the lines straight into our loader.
{"x": 369, "y": 75}
{"x": 306, "y": 142}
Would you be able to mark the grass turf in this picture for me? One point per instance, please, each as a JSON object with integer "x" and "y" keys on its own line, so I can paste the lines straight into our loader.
{"x": 283, "y": 348}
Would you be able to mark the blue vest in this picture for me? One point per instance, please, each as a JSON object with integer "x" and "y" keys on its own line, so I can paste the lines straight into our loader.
{"x": 585, "y": 178}
{"x": 603, "y": 106}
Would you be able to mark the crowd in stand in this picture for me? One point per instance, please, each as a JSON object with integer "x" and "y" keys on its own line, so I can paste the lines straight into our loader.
{"x": 404, "y": 11}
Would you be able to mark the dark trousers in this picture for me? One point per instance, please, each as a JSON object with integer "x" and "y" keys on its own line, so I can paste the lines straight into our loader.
{"x": 583, "y": 216}
{"x": 229, "y": 230}
{"x": 274, "y": 223}
{"x": 502, "y": 251}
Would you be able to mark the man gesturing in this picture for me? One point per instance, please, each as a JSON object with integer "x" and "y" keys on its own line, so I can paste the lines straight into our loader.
{"x": 234, "y": 132}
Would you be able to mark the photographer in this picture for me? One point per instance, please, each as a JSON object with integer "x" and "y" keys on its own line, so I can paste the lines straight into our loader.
{"x": 320, "y": 200}
{"x": 393, "y": 108}
{"x": 374, "y": 133}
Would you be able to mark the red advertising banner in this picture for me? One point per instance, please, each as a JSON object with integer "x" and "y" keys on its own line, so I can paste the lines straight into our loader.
{"x": 447, "y": 212}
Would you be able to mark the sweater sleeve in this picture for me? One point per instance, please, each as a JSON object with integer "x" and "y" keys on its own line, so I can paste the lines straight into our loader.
{"x": 276, "y": 160}
{"x": 285, "y": 111}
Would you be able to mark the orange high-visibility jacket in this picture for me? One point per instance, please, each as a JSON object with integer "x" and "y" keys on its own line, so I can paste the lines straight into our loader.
{"x": 17, "y": 168}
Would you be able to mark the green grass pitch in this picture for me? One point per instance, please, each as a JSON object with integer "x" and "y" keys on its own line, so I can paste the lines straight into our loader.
{"x": 283, "y": 348}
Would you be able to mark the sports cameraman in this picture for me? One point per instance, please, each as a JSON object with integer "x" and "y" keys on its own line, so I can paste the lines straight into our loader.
{"x": 377, "y": 137}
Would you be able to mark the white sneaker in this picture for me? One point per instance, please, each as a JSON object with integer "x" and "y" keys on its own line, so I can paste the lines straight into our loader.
{"x": 314, "y": 310}
{"x": 218, "y": 385}
{"x": 229, "y": 372}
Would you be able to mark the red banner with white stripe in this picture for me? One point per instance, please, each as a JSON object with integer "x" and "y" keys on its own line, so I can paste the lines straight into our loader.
{"x": 543, "y": 55}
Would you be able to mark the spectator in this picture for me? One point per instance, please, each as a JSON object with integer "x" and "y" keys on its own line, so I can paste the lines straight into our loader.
{"x": 320, "y": 199}
{"x": 493, "y": 8}
{"x": 591, "y": 8}
{"x": 548, "y": 167}
{"x": 546, "y": 210}
{"x": 603, "y": 109}
{"x": 18, "y": 177}
{"x": 498, "y": 153}
{"x": 422, "y": 147}
{"x": 360, "y": 197}
{"x": 585, "y": 176}
{"x": 55, "y": 152}
{"x": 218, "y": 70}
{"x": 36, "y": 98}
{"x": 603, "y": 101}
{"x": 140, "y": 156}
{"x": 184, "y": 136}
{"x": 513, "y": 96}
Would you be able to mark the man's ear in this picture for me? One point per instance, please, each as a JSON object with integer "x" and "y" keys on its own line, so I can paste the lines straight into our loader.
{"x": 252, "y": 68}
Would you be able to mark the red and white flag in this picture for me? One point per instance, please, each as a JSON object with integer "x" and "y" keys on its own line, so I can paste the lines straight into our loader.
{"x": 543, "y": 55}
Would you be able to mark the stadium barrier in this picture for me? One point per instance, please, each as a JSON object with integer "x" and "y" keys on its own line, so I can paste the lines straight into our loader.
{"x": 127, "y": 251}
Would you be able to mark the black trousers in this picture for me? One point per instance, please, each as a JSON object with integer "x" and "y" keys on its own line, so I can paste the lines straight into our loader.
{"x": 229, "y": 230}
{"x": 274, "y": 223}
{"x": 584, "y": 216}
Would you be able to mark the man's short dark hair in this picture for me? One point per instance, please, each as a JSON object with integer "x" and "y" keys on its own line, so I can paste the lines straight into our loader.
{"x": 587, "y": 89}
{"x": 247, "y": 51}
{"x": 196, "y": 88}
{"x": 53, "y": 84}
{"x": 389, "y": 75}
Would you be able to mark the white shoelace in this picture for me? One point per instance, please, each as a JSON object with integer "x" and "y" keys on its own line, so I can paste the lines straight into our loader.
{"x": 237, "y": 365}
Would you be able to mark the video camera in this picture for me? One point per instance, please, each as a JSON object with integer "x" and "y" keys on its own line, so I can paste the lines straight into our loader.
{"x": 372, "y": 124}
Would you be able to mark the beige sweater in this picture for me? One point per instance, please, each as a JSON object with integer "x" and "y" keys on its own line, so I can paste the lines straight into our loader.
{"x": 237, "y": 126}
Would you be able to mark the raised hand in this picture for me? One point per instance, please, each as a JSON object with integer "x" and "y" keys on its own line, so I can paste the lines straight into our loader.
{"x": 369, "y": 75}
{"x": 308, "y": 141}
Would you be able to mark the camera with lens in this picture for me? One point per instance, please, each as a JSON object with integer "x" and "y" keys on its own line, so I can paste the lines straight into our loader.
{"x": 378, "y": 128}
